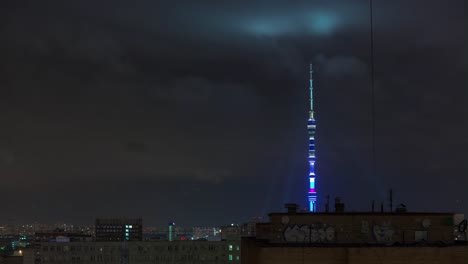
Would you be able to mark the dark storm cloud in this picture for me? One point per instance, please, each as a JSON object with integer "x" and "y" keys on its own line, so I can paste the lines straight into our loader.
{"x": 214, "y": 92}
{"x": 340, "y": 66}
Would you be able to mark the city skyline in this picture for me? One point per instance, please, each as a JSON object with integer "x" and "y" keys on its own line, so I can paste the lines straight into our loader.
{"x": 197, "y": 113}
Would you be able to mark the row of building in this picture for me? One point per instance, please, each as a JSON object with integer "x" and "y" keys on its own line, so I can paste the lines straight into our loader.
{"x": 121, "y": 241}
{"x": 288, "y": 237}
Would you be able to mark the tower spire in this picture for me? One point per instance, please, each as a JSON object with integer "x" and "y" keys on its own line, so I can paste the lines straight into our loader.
{"x": 311, "y": 87}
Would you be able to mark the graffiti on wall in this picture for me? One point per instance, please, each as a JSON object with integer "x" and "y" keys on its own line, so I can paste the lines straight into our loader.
{"x": 383, "y": 233}
{"x": 317, "y": 233}
{"x": 379, "y": 233}
{"x": 365, "y": 229}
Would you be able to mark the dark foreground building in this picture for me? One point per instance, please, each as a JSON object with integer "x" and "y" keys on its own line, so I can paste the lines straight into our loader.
{"x": 355, "y": 238}
{"x": 11, "y": 260}
{"x": 134, "y": 252}
{"x": 83, "y": 251}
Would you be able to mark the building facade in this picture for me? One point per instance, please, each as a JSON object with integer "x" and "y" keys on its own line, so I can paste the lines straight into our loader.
{"x": 180, "y": 252}
{"x": 119, "y": 229}
{"x": 61, "y": 236}
{"x": 259, "y": 252}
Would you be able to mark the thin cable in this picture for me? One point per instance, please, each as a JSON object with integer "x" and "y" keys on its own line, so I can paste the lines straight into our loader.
{"x": 372, "y": 92}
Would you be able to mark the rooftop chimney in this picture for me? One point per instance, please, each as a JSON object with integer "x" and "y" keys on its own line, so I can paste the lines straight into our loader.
{"x": 339, "y": 206}
{"x": 292, "y": 208}
{"x": 401, "y": 209}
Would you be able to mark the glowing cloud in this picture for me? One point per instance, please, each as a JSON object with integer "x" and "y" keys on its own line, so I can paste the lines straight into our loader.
{"x": 318, "y": 23}
{"x": 322, "y": 22}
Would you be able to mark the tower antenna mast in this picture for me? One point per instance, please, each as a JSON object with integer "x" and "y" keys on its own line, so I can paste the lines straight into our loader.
{"x": 311, "y": 87}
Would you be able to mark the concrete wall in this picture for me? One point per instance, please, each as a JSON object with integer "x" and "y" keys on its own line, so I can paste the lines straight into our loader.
{"x": 364, "y": 255}
{"x": 11, "y": 260}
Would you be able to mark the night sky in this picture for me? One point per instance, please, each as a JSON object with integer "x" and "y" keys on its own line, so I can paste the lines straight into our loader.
{"x": 196, "y": 112}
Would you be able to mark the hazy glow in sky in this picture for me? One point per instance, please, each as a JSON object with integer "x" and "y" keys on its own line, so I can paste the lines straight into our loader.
{"x": 323, "y": 23}
{"x": 317, "y": 23}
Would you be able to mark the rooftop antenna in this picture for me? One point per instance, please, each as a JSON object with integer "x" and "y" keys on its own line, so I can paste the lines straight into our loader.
{"x": 391, "y": 200}
{"x": 327, "y": 205}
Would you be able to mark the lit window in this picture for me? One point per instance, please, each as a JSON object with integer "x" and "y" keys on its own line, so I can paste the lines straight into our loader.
{"x": 230, "y": 247}
{"x": 237, "y": 258}
{"x": 230, "y": 257}
{"x": 237, "y": 248}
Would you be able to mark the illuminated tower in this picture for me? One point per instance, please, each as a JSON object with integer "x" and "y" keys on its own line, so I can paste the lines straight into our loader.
{"x": 312, "y": 195}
